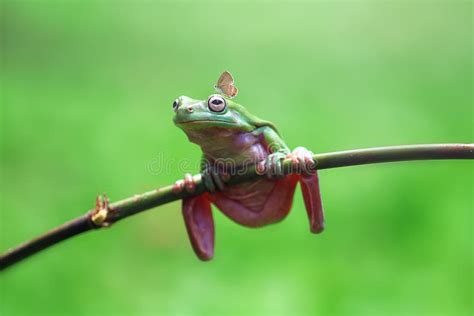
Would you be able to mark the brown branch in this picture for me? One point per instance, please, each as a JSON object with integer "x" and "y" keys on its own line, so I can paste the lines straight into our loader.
{"x": 105, "y": 215}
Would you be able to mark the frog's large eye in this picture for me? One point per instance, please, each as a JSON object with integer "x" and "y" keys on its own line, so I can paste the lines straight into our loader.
{"x": 175, "y": 105}
{"x": 216, "y": 103}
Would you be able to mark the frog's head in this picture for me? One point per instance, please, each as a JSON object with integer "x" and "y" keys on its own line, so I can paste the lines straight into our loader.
{"x": 194, "y": 116}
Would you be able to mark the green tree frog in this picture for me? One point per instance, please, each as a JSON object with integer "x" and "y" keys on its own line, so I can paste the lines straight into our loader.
{"x": 231, "y": 138}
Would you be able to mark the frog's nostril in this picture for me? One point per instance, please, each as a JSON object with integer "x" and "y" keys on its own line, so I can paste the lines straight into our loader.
{"x": 189, "y": 108}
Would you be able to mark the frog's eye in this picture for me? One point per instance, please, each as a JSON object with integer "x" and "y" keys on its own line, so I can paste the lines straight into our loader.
{"x": 175, "y": 105}
{"x": 216, "y": 103}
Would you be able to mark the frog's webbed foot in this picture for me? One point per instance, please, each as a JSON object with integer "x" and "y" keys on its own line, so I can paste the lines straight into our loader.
{"x": 302, "y": 159}
{"x": 272, "y": 166}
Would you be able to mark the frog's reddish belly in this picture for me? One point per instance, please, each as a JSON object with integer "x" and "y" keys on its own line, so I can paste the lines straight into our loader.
{"x": 252, "y": 195}
{"x": 245, "y": 149}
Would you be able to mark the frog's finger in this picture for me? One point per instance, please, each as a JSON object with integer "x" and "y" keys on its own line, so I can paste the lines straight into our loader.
{"x": 305, "y": 159}
{"x": 260, "y": 168}
{"x": 217, "y": 180}
{"x": 294, "y": 160}
{"x": 277, "y": 166}
{"x": 178, "y": 186}
{"x": 273, "y": 162}
{"x": 268, "y": 166}
{"x": 308, "y": 161}
{"x": 208, "y": 182}
{"x": 189, "y": 182}
{"x": 301, "y": 158}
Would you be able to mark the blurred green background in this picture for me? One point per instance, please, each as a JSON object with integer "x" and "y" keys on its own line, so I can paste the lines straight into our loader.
{"x": 86, "y": 105}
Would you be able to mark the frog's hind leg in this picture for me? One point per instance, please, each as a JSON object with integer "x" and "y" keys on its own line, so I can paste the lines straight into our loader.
{"x": 200, "y": 225}
{"x": 312, "y": 200}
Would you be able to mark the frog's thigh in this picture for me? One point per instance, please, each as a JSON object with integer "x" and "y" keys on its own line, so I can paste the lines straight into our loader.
{"x": 276, "y": 207}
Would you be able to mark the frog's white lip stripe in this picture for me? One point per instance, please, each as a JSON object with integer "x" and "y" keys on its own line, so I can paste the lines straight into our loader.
{"x": 202, "y": 121}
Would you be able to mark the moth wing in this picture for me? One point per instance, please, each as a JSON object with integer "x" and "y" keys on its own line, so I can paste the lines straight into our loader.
{"x": 225, "y": 85}
{"x": 231, "y": 91}
{"x": 225, "y": 79}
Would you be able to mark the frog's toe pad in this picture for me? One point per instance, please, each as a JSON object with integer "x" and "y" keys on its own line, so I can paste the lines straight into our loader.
{"x": 187, "y": 184}
{"x": 302, "y": 159}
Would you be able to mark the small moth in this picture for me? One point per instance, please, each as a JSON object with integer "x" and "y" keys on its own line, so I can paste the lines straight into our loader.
{"x": 225, "y": 85}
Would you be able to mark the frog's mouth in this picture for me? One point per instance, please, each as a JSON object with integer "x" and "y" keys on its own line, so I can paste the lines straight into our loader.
{"x": 191, "y": 122}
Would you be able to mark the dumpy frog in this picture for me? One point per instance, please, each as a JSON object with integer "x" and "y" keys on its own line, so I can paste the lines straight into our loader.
{"x": 232, "y": 138}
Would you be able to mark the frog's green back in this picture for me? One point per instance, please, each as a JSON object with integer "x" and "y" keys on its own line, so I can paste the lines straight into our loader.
{"x": 251, "y": 118}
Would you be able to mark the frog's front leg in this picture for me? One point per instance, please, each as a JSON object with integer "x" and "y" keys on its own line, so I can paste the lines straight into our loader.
{"x": 198, "y": 219}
